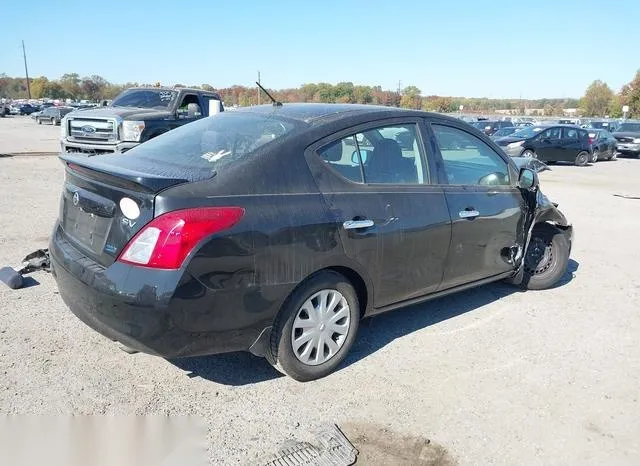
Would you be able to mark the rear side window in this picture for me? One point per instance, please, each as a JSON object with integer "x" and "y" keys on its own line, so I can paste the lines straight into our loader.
{"x": 569, "y": 133}
{"x": 212, "y": 143}
{"x": 383, "y": 155}
{"x": 468, "y": 160}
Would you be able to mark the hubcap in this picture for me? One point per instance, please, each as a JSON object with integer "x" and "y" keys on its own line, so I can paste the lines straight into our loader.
{"x": 320, "y": 327}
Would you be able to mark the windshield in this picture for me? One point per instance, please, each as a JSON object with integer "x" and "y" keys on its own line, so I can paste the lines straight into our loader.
{"x": 504, "y": 131}
{"x": 528, "y": 132}
{"x": 632, "y": 127}
{"x": 212, "y": 143}
{"x": 145, "y": 98}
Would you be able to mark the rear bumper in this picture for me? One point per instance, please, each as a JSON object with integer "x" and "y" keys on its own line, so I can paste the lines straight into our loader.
{"x": 95, "y": 149}
{"x": 161, "y": 312}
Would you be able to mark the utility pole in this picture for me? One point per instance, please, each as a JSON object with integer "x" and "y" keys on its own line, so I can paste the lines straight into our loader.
{"x": 259, "y": 87}
{"x": 399, "y": 87}
{"x": 26, "y": 72}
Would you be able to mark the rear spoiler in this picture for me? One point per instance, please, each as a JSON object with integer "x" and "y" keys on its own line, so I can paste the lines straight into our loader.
{"x": 118, "y": 176}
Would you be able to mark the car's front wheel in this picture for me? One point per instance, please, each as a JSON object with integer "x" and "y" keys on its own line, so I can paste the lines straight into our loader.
{"x": 546, "y": 259}
{"x": 594, "y": 156}
{"x": 315, "y": 328}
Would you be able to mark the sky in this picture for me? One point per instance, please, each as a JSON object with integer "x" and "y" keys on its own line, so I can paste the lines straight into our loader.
{"x": 472, "y": 48}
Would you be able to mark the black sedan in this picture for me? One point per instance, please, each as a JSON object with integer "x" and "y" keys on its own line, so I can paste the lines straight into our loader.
{"x": 551, "y": 144}
{"x": 276, "y": 229}
{"x": 603, "y": 143}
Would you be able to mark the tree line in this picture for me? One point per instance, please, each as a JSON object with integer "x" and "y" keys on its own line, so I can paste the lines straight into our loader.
{"x": 599, "y": 99}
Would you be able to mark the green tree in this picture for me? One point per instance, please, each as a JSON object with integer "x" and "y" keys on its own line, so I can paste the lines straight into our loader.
{"x": 597, "y": 99}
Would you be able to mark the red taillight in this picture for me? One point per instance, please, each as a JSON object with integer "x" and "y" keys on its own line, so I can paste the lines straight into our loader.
{"x": 590, "y": 140}
{"x": 167, "y": 240}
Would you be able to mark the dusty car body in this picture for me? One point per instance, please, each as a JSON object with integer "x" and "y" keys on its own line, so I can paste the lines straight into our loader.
{"x": 296, "y": 220}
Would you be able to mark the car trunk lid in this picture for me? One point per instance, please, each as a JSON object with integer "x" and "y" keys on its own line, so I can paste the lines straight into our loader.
{"x": 103, "y": 206}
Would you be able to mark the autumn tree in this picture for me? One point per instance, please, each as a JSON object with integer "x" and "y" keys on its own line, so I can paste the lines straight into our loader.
{"x": 411, "y": 98}
{"x": 630, "y": 95}
{"x": 70, "y": 83}
{"x": 597, "y": 99}
{"x": 39, "y": 87}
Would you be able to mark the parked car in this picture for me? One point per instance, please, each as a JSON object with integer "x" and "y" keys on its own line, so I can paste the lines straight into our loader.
{"x": 628, "y": 136}
{"x": 502, "y": 132}
{"x": 551, "y": 144}
{"x": 26, "y": 109}
{"x": 490, "y": 127}
{"x": 602, "y": 124}
{"x": 53, "y": 115}
{"x": 4, "y": 110}
{"x": 198, "y": 242}
{"x": 603, "y": 145}
{"x": 137, "y": 115}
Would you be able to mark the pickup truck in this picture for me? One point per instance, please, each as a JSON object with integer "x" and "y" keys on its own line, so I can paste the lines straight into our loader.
{"x": 135, "y": 116}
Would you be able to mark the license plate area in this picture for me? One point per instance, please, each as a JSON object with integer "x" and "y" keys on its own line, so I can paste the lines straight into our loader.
{"x": 85, "y": 228}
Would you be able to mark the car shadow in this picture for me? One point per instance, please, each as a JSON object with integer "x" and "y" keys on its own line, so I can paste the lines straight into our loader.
{"x": 243, "y": 368}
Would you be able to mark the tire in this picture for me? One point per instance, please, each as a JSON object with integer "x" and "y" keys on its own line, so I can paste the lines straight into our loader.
{"x": 306, "y": 363}
{"x": 614, "y": 155}
{"x": 582, "y": 159}
{"x": 546, "y": 259}
{"x": 39, "y": 121}
{"x": 594, "y": 156}
{"x": 528, "y": 153}
{"x": 55, "y": 122}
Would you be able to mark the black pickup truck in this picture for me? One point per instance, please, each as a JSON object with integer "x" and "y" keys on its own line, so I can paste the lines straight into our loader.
{"x": 135, "y": 116}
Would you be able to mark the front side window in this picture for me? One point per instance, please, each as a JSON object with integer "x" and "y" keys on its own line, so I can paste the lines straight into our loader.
{"x": 468, "y": 160}
{"x": 384, "y": 155}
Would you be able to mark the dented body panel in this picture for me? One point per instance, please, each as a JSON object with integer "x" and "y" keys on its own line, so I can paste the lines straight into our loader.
{"x": 231, "y": 287}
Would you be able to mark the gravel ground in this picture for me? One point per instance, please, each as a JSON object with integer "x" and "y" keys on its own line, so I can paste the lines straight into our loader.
{"x": 20, "y": 134}
{"x": 489, "y": 376}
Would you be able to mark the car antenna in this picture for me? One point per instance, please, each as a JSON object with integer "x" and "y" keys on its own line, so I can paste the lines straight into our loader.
{"x": 275, "y": 102}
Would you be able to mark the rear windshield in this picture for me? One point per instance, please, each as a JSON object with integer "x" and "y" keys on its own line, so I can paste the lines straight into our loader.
{"x": 211, "y": 143}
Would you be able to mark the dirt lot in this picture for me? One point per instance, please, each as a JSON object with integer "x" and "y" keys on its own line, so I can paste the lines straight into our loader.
{"x": 490, "y": 376}
{"x": 20, "y": 134}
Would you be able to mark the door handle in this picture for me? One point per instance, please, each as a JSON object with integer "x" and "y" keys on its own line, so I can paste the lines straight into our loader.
{"x": 472, "y": 213}
{"x": 355, "y": 224}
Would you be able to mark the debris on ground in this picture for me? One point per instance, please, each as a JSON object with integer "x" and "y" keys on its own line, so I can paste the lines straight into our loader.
{"x": 37, "y": 260}
{"x": 331, "y": 449}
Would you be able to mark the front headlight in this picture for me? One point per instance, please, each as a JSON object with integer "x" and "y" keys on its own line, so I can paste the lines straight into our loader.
{"x": 132, "y": 130}
{"x": 636, "y": 141}
{"x": 63, "y": 128}
{"x": 513, "y": 145}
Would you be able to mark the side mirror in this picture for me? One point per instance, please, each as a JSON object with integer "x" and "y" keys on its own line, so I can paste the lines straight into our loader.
{"x": 528, "y": 179}
{"x": 364, "y": 154}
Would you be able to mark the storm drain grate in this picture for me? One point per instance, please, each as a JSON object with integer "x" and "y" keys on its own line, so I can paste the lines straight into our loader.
{"x": 332, "y": 449}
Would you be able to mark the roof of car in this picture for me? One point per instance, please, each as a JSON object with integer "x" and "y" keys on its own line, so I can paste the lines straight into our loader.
{"x": 314, "y": 111}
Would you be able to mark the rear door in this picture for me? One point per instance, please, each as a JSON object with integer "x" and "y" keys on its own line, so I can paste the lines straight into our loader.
{"x": 485, "y": 206}
{"x": 393, "y": 222}
{"x": 570, "y": 144}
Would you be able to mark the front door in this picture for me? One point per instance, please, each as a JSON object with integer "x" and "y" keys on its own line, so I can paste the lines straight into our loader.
{"x": 393, "y": 222}
{"x": 485, "y": 206}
